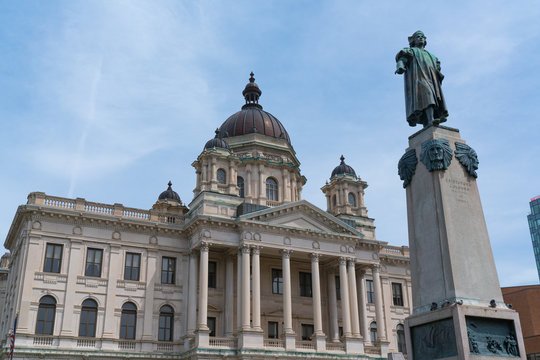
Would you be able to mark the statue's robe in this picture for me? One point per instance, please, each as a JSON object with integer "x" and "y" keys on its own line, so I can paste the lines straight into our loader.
{"x": 422, "y": 85}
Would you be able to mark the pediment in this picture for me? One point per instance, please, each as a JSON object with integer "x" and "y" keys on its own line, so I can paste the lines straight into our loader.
{"x": 301, "y": 215}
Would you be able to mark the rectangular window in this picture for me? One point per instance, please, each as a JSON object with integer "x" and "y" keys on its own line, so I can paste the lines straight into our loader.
{"x": 168, "y": 269}
{"x": 397, "y": 294}
{"x": 94, "y": 258}
{"x": 273, "y": 330}
{"x": 307, "y": 331}
{"x": 305, "y": 284}
{"x": 338, "y": 288}
{"x": 53, "y": 258}
{"x": 212, "y": 325}
{"x": 340, "y": 331}
{"x": 277, "y": 281}
{"x": 212, "y": 268}
{"x": 133, "y": 266}
{"x": 369, "y": 292}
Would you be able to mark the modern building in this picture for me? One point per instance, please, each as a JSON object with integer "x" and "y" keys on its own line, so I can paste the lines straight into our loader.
{"x": 534, "y": 227}
{"x": 248, "y": 269}
{"x": 526, "y": 301}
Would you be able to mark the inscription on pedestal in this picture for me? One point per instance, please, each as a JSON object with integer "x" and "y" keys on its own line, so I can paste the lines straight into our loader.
{"x": 461, "y": 189}
{"x": 435, "y": 340}
{"x": 495, "y": 337}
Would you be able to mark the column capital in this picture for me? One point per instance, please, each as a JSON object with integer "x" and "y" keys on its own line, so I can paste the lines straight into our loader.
{"x": 244, "y": 248}
{"x": 351, "y": 262}
{"x": 342, "y": 260}
{"x": 315, "y": 257}
{"x": 286, "y": 253}
{"x": 375, "y": 267}
{"x": 205, "y": 246}
{"x": 256, "y": 249}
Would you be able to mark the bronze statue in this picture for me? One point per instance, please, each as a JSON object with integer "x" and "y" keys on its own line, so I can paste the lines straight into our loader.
{"x": 424, "y": 100}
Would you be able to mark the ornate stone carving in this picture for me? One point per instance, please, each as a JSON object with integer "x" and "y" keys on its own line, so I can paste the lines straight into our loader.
{"x": 315, "y": 257}
{"x": 287, "y": 240}
{"x": 256, "y": 250}
{"x": 436, "y": 154}
{"x": 316, "y": 245}
{"x": 153, "y": 240}
{"x": 116, "y": 235}
{"x": 257, "y": 237}
{"x": 286, "y": 253}
{"x": 77, "y": 230}
{"x": 36, "y": 225}
{"x": 467, "y": 157}
{"x": 205, "y": 246}
{"x": 407, "y": 166}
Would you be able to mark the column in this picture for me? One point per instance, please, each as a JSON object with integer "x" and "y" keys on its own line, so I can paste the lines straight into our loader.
{"x": 229, "y": 296}
{"x": 293, "y": 189}
{"x": 203, "y": 288}
{"x": 239, "y": 290}
{"x": 379, "y": 315}
{"x": 362, "y": 300}
{"x": 248, "y": 192}
{"x": 151, "y": 274}
{"x": 353, "y": 298}
{"x": 345, "y": 307}
{"x": 75, "y": 252}
{"x": 287, "y": 303}
{"x": 115, "y": 268}
{"x": 332, "y": 304}
{"x": 256, "y": 288}
{"x": 316, "y": 287}
{"x": 245, "y": 289}
{"x": 262, "y": 187}
{"x": 192, "y": 294}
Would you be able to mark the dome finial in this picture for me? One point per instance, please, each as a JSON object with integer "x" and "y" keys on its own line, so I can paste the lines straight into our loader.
{"x": 252, "y": 93}
{"x": 170, "y": 184}
{"x": 342, "y": 158}
{"x": 252, "y": 79}
{"x": 217, "y": 133}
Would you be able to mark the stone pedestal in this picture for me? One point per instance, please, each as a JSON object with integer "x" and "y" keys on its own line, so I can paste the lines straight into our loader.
{"x": 454, "y": 280}
{"x": 320, "y": 342}
{"x": 290, "y": 341}
{"x": 203, "y": 338}
{"x": 354, "y": 345}
{"x": 251, "y": 339}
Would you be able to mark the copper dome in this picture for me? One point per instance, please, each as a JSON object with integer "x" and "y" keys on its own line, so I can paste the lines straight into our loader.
{"x": 343, "y": 169}
{"x": 252, "y": 118}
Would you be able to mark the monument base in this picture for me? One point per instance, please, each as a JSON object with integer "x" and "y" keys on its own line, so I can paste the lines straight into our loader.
{"x": 464, "y": 332}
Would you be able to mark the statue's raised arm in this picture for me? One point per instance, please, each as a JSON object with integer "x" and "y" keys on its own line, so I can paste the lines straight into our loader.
{"x": 424, "y": 100}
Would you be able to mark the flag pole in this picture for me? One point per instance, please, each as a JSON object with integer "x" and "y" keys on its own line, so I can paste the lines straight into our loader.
{"x": 12, "y": 346}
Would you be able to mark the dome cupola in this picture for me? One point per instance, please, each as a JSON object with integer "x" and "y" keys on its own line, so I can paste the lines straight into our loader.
{"x": 217, "y": 142}
{"x": 343, "y": 169}
{"x": 169, "y": 194}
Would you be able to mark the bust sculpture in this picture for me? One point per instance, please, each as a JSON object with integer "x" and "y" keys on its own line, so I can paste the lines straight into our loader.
{"x": 424, "y": 100}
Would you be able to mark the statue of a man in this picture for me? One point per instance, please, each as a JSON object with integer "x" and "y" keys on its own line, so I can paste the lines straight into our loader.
{"x": 424, "y": 100}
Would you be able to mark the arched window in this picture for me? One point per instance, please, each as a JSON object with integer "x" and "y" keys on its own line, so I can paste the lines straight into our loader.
{"x": 373, "y": 332}
{"x": 334, "y": 200}
{"x": 240, "y": 184}
{"x": 400, "y": 331}
{"x": 221, "y": 176}
{"x": 271, "y": 189}
{"x": 46, "y": 314}
{"x": 128, "y": 321}
{"x": 166, "y": 321}
{"x": 352, "y": 199}
{"x": 87, "y": 327}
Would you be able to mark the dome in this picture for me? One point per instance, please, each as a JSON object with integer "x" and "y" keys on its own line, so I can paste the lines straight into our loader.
{"x": 169, "y": 194}
{"x": 343, "y": 169}
{"x": 216, "y": 142}
{"x": 252, "y": 118}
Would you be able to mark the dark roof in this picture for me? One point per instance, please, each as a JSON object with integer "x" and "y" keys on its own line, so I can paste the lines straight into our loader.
{"x": 216, "y": 142}
{"x": 252, "y": 118}
{"x": 169, "y": 194}
{"x": 343, "y": 169}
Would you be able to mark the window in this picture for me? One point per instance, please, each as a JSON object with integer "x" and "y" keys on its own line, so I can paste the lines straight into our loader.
{"x": 369, "y": 292}
{"x": 166, "y": 321}
{"x": 400, "y": 331}
{"x": 273, "y": 330}
{"x": 340, "y": 331}
{"x": 305, "y": 284}
{"x": 128, "y": 321}
{"x": 397, "y": 294}
{"x": 307, "y": 331}
{"x": 338, "y": 288}
{"x": 221, "y": 176}
{"x": 334, "y": 200}
{"x": 133, "y": 265}
{"x": 46, "y": 314}
{"x": 373, "y": 332}
{"x": 240, "y": 184}
{"x": 277, "y": 281}
{"x": 53, "y": 258}
{"x": 87, "y": 327}
{"x": 168, "y": 268}
{"x": 352, "y": 200}
{"x": 271, "y": 189}
{"x": 93, "y": 262}
{"x": 212, "y": 267}
{"x": 212, "y": 325}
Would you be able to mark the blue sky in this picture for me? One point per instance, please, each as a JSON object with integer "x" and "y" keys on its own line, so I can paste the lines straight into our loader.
{"x": 109, "y": 100}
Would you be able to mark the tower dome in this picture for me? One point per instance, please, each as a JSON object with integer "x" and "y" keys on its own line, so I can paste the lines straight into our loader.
{"x": 343, "y": 169}
{"x": 169, "y": 194}
{"x": 252, "y": 118}
{"x": 216, "y": 142}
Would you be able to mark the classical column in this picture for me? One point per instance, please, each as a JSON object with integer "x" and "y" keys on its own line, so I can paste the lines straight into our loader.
{"x": 332, "y": 304}
{"x": 248, "y": 192}
{"x": 192, "y": 294}
{"x": 262, "y": 187}
{"x": 203, "y": 287}
{"x": 239, "y": 290}
{"x": 287, "y": 303}
{"x": 316, "y": 286}
{"x": 353, "y": 298}
{"x": 229, "y": 296}
{"x": 379, "y": 315}
{"x": 344, "y": 287}
{"x": 245, "y": 289}
{"x": 362, "y": 300}
{"x": 256, "y": 288}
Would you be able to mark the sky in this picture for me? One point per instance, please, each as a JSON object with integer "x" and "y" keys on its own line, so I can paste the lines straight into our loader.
{"x": 109, "y": 100}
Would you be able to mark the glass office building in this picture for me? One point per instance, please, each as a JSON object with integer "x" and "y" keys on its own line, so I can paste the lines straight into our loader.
{"x": 534, "y": 227}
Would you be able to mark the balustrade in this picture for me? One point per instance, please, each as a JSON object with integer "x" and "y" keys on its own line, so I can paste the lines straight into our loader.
{"x": 222, "y": 342}
{"x": 305, "y": 345}
{"x": 274, "y": 343}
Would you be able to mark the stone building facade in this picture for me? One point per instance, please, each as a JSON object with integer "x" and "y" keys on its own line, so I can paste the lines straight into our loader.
{"x": 248, "y": 270}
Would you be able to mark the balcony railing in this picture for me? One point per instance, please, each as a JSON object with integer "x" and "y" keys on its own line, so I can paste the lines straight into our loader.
{"x": 272, "y": 203}
{"x": 305, "y": 345}
{"x": 127, "y": 345}
{"x": 43, "y": 340}
{"x": 228, "y": 343}
{"x": 87, "y": 343}
{"x": 335, "y": 346}
{"x": 165, "y": 347}
{"x": 274, "y": 343}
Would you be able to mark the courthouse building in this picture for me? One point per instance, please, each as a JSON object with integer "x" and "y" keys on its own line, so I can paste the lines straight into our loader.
{"x": 247, "y": 270}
